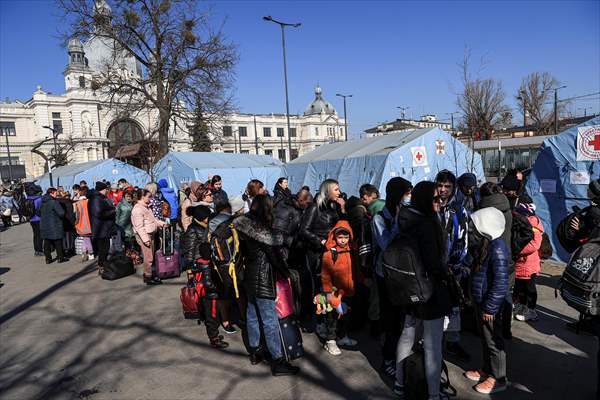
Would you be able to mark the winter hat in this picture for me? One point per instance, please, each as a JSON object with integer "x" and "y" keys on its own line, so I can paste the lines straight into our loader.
{"x": 467, "y": 179}
{"x": 199, "y": 213}
{"x": 163, "y": 184}
{"x": 341, "y": 231}
{"x": 237, "y": 204}
{"x": 101, "y": 186}
{"x": 510, "y": 182}
{"x": 489, "y": 221}
{"x": 376, "y": 206}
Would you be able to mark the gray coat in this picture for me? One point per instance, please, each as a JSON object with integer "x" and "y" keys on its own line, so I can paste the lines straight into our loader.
{"x": 51, "y": 214}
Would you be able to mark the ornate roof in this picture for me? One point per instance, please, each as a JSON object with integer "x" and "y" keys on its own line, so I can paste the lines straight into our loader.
{"x": 319, "y": 105}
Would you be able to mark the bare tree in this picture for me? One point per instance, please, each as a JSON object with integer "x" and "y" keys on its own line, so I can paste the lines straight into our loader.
{"x": 481, "y": 101}
{"x": 179, "y": 58}
{"x": 535, "y": 97}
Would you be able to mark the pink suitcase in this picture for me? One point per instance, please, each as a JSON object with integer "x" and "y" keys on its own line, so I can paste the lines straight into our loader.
{"x": 167, "y": 266}
{"x": 284, "y": 300}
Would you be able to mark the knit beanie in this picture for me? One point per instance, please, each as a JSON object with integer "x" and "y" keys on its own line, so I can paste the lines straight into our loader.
{"x": 101, "y": 186}
{"x": 467, "y": 179}
{"x": 489, "y": 221}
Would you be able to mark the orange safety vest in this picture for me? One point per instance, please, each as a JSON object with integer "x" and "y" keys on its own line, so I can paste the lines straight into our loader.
{"x": 83, "y": 225}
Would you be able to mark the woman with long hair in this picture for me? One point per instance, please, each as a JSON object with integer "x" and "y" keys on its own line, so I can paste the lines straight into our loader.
{"x": 261, "y": 250}
{"x": 253, "y": 189}
{"x": 318, "y": 219}
{"x": 281, "y": 191}
{"x": 421, "y": 222}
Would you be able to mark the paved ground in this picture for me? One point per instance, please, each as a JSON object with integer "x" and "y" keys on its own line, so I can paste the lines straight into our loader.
{"x": 65, "y": 333}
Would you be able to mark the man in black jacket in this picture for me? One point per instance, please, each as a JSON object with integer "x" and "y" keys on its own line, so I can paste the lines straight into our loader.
{"x": 102, "y": 218}
{"x": 51, "y": 226}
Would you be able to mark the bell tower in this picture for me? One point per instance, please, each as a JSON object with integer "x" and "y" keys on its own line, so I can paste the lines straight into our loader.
{"x": 77, "y": 74}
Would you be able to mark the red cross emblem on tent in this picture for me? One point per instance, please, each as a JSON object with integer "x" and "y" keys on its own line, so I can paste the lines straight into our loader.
{"x": 419, "y": 155}
{"x": 588, "y": 143}
{"x": 440, "y": 146}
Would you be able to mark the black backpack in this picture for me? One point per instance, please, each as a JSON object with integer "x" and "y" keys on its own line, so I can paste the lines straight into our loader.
{"x": 405, "y": 276}
{"x": 521, "y": 234}
{"x": 580, "y": 283}
{"x": 225, "y": 253}
{"x": 415, "y": 380}
{"x": 29, "y": 210}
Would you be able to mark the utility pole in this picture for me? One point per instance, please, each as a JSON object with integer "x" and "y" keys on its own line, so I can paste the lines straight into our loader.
{"x": 287, "y": 102}
{"x": 556, "y": 107}
{"x": 584, "y": 110}
{"x": 255, "y": 135}
{"x": 345, "y": 115}
{"x": 451, "y": 114}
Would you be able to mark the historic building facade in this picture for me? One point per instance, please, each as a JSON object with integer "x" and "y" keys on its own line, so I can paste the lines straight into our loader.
{"x": 267, "y": 133}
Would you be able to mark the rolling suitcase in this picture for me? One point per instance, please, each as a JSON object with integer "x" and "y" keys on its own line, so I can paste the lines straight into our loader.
{"x": 167, "y": 258}
{"x": 291, "y": 338}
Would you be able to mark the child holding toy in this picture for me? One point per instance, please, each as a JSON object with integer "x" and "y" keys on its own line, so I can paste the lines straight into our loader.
{"x": 337, "y": 277}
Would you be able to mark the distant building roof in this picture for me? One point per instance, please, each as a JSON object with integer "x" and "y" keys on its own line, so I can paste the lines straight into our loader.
{"x": 319, "y": 105}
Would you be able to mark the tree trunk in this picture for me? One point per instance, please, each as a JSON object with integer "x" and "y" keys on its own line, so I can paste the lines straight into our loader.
{"x": 163, "y": 133}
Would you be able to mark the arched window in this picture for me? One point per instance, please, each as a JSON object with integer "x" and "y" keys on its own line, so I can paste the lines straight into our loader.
{"x": 82, "y": 81}
{"x": 122, "y": 133}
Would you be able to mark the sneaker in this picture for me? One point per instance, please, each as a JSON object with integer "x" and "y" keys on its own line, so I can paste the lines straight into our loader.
{"x": 38, "y": 254}
{"x": 474, "y": 375}
{"x": 399, "y": 390}
{"x": 347, "y": 342}
{"x": 530, "y": 315}
{"x": 218, "y": 343}
{"x": 490, "y": 386}
{"x": 229, "y": 329}
{"x": 282, "y": 367}
{"x": 517, "y": 309}
{"x": 388, "y": 367}
{"x": 256, "y": 356}
{"x": 454, "y": 349}
{"x": 332, "y": 348}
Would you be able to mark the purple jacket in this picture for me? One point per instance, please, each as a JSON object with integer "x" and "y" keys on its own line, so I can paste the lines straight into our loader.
{"x": 37, "y": 202}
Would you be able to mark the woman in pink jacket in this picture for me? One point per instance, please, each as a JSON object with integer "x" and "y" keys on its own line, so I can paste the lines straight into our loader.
{"x": 528, "y": 266}
{"x": 145, "y": 225}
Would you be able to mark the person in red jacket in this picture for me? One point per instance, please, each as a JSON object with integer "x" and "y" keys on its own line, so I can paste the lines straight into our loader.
{"x": 337, "y": 271}
{"x": 528, "y": 265}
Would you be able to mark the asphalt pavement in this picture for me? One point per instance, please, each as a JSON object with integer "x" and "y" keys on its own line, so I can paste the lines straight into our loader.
{"x": 67, "y": 334}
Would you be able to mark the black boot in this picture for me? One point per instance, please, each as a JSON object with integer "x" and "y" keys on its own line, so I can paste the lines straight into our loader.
{"x": 256, "y": 356}
{"x": 218, "y": 343}
{"x": 49, "y": 261}
{"x": 282, "y": 367}
{"x": 152, "y": 280}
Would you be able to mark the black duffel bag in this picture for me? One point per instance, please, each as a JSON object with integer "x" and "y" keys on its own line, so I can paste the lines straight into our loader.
{"x": 118, "y": 267}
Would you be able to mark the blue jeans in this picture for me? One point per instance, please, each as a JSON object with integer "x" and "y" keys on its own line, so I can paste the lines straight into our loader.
{"x": 270, "y": 324}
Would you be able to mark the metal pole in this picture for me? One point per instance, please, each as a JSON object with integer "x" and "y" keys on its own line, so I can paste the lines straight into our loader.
{"x": 345, "y": 121}
{"x": 452, "y": 123}
{"x": 287, "y": 103}
{"x": 555, "y": 111}
{"x": 10, "y": 175}
{"x": 255, "y": 135}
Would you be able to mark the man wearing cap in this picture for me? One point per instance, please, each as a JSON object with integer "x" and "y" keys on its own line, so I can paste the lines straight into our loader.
{"x": 102, "y": 218}
{"x": 467, "y": 194}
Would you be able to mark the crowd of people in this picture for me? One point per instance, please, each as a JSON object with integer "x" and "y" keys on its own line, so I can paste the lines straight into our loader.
{"x": 475, "y": 250}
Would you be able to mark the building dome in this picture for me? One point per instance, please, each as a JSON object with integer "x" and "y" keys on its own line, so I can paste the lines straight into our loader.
{"x": 101, "y": 7}
{"x": 319, "y": 105}
{"x": 75, "y": 45}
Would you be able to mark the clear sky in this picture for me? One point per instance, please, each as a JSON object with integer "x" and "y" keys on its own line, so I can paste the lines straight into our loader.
{"x": 386, "y": 54}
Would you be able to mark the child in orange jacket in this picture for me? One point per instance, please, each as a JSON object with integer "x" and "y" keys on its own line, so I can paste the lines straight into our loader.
{"x": 337, "y": 271}
{"x": 528, "y": 266}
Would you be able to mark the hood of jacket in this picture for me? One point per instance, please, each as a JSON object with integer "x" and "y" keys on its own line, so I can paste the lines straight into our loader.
{"x": 496, "y": 200}
{"x": 33, "y": 197}
{"x": 252, "y": 229}
{"x": 342, "y": 224}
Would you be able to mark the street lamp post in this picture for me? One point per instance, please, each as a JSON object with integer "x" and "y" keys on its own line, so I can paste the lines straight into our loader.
{"x": 6, "y": 132}
{"x": 556, "y": 107}
{"x": 403, "y": 111}
{"x": 287, "y": 102}
{"x": 345, "y": 115}
{"x": 451, "y": 114}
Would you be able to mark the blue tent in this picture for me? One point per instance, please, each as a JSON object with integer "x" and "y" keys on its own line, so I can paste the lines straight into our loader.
{"x": 235, "y": 169}
{"x": 92, "y": 171}
{"x": 559, "y": 181}
{"x": 415, "y": 155}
